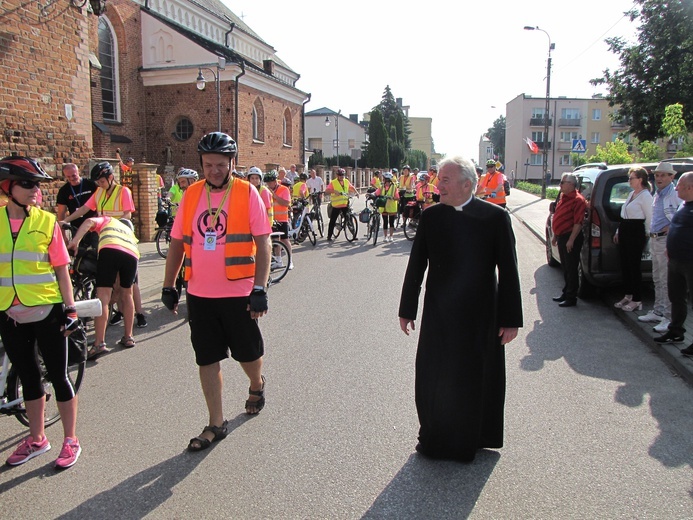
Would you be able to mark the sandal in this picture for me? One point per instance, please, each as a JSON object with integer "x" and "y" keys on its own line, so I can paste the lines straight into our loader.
{"x": 127, "y": 342}
{"x": 200, "y": 443}
{"x": 96, "y": 350}
{"x": 260, "y": 403}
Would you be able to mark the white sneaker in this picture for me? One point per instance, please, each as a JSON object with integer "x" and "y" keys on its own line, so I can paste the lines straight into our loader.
{"x": 663, "y": 326}
{"x": 291, "y": 265}
{"x": 651, "y": 317}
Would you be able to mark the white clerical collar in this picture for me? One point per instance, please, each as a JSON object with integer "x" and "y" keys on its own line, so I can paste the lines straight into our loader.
{"x": 461, "y": 206}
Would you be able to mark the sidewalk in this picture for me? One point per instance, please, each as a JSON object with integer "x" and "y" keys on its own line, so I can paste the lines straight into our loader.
{"x": 532, "y": 212}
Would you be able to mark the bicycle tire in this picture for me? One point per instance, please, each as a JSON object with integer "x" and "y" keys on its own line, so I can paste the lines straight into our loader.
{"x": 352, "y": 227}
{"x": 51, "y": 414}
{"x": 321, "y": 224}
{"x": 409, "y": 229}
{"x": 376, "y": 227}
{"x": 369, "y": 228}
{"x": 339, "y": 225}
{"x": 162, "y": 239}
{"x": 309, "y": 232}
{"x": 278, "y": 270}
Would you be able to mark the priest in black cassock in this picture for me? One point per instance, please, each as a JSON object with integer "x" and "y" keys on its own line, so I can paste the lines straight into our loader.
{"x": 472, "y": 309}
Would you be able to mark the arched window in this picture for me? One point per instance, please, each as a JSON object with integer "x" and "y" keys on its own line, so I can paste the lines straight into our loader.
{"x": 286, "y": 128}
{"x": 254, "y": 117}
{"x": 258, "y": 117}
{"x": 108, "y": 56}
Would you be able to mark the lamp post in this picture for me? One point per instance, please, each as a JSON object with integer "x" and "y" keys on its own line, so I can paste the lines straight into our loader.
{"x": 336, "y": 124}
{"x": 201, "y": 83}
{"x": 546, "y": 110}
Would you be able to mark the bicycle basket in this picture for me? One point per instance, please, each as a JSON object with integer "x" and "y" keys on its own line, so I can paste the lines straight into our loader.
{"x": 161, "y": 218}
{"x": 85, "y": 262}
{"x": 365, "y": 216}
{"x": 380, "y": 202}
{"x": 77, "y": 346}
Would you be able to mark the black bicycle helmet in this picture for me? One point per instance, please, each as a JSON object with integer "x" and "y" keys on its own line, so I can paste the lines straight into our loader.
{"x": 101, "y": 170}
{"x": 18, "y": 168}
{"x": 270, "y": 176}
{"x": 303, "y": 177}
{"x": 217, "y": 142}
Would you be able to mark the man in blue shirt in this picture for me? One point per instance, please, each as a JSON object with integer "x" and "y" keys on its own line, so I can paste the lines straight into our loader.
{"x": 680, "y": 268}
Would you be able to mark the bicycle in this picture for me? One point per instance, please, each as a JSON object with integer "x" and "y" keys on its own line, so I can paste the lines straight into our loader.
{"x": 281, "y": 259}
{"x": 12, "y": 398}
{"x": 411, "y": 214}
{"x": 315, "y": 213}
{"x": 164, "y": 219}
{"x": 301, "y": 226}
{"x": 348, "y": 222}
{"x": 373, "y": 225}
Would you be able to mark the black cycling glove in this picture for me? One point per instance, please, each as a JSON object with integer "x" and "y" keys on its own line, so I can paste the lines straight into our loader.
{"x": 71, "y": 319}
{"x": 258, "y": 300}
{"x": 169, "y": 297}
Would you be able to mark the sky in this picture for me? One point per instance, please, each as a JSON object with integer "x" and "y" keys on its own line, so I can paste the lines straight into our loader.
{"x": 457, "y": 64}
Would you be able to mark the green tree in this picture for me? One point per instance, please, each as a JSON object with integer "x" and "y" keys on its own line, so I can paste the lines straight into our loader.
{"x": 615, "y": 152}
{"x": 396, "y": 122}
{"x": 673, "y": 124}
{"x": 649, "y": 151}
{"x": 416, "y": 159}
{"x": 496, "y": 134}
{"x": 657, "y": 70}
{"x": 377, "y": 155}
{"x": 396, "y": 153}
{"x": 578, "y": 159}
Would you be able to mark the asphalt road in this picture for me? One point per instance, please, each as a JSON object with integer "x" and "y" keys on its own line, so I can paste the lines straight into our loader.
{"x": 596, "y": 425}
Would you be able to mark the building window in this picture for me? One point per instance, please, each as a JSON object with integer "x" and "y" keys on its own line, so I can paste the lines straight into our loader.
{"x": 567, "y": 137}
{"x": 184, "y": 129}
{"x": 570, "y": 113}
{"x": 536, "y": 159}
{"x": 315, "y": 143}
{"x": 254, "y": 123}
{"x": 595, "y": 137}
{"x": 286, "y": 128}
{"x": 566, "y": 160}
{"x": 108, "y": 56}
{"x": 538, "y": 137}
{"x": 597, "y": 114}
{"x": 258, "y": 121}
{"x": 538, "y": 113}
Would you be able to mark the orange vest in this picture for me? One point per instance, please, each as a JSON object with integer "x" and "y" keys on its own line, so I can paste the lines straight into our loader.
{"x": 239, "y": 249}
{"x": 281, "y": 213}
{"x": 490, "y": 184}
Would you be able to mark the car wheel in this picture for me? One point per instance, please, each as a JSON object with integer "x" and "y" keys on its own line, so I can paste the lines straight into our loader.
{"x": 585, "y": 290}
{"x": 549, "y": 254}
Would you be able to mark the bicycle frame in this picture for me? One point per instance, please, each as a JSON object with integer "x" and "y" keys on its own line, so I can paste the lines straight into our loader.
{"x": 293, "y": 233}
{"x": 6, "y": 406}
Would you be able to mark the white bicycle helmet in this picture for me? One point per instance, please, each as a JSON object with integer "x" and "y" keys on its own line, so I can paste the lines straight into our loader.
{"x": 254, "y": 170}
{"x": 186, "y": 173}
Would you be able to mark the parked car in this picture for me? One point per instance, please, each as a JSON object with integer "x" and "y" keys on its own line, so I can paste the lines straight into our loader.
{"x": 606, "y": 191}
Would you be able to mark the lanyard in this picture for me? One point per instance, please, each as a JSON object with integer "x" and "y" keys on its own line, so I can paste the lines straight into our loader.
{"x": 215, "y": 216}
{"x": 76, "y": 195}
{"x": 108, "y": 197}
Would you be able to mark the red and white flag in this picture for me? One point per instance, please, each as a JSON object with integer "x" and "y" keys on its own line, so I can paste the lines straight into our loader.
{"x": 533, "y": 147}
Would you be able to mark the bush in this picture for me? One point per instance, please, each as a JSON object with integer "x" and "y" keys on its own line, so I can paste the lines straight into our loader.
{"x": 535, "y": 189}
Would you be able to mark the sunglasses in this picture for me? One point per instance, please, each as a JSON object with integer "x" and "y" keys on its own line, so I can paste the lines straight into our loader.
{"x": 490, "y": 165}
{"x": 28, "y": 185}
{"x": 340, "y": 175}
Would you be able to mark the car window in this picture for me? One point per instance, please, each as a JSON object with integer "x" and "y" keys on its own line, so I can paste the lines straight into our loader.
{"x": 585, "y": 187}
{"x": 616, "y": 191}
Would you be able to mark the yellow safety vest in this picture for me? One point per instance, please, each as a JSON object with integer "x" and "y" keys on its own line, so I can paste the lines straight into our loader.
{"x": 25, "y": 268}
{"x": 390, "y": 204}
{"x": 297, "y": 192}
{"x": 339, "y": 198}
{"x": 117, "y": 233}
{"x": 109, "y": 206}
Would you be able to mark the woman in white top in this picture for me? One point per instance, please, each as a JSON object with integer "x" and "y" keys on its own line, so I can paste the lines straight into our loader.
{"x": 631, "y": 237}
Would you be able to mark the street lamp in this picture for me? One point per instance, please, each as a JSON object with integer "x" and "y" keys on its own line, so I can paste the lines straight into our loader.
{"x": 546, "y": 110}
{"x": 201, "y": 83}
{"x": 336, "y": 124}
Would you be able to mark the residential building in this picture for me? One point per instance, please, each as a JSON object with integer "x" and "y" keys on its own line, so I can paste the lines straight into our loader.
{"x": 343, "y": 133}
{"x": 421, "y": 136}
{"x": 486, "y": 150}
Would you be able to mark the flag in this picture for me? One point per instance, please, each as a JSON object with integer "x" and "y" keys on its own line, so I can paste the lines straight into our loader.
{"x": 532, "y": 145}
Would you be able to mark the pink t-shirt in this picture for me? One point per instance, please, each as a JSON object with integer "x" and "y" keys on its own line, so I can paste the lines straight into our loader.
{"x": 266, "y": 197}
{"x": 57, "y": 250}
{"x": 125, "y": 196}
{"x": 99, "y": 224}
{"x": 209, "y": 271}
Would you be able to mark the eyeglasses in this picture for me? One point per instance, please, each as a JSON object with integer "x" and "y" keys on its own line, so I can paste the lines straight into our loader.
{"x": 28, "y": 185}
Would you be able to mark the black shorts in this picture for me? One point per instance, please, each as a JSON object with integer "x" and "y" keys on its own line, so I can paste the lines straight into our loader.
{"x": 283, "y": 227}
{"x": 113, "y": 262}
{"x": 218, "y": 325}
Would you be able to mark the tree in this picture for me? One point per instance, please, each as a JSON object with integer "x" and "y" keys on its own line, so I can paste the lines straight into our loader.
{"x": 657, "y": 70}
{"x": 396, "y": 122}
{"x": 649, "y": 151}
{"x": 377, "y": 152}
{"x": 496, "y": 134}
{"x": 615, "y": 152}
{"x": 417, "y": 159}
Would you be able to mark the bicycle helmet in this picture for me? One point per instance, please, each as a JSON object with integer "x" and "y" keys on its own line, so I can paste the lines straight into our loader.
{"x": 270, "y": 176}
{"x": 254, "y": 170}
{"x": 217, "y": 142}
{"x": 394, "y": 170}
{"x": 422, "y": 177}
{"x": 287, "y": 182}
{"x": 16, "y": 168}
{"x": 128, "y": 223}
{"x": 490, "y": 162}
{"x": 101, "y": 170}
{"x": 240, "y": 175}
{"x": 406, "y": 167}
{"x": 341, "y": 171}
{"x": 387, "y": 176}
{"x": 303, "y": 177}
{"x": 416, "y": 171}
{"x": 187, "y": 173}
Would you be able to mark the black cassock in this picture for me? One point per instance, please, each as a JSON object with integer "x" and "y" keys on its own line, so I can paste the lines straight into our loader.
{"x": 472, "y": 289}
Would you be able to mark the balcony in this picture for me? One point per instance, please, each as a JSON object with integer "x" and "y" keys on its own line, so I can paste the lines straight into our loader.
{"x": 618, "y": 124}
{"x": 569, "y": 122}
{"x": 542, "y": 145}
{"x": 538, "y": 121}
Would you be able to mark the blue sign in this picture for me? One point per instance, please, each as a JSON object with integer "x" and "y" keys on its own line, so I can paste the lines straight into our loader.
{"x": 579, "y": 146}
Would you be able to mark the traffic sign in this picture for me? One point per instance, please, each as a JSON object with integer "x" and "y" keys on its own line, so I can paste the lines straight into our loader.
{"x": 579, "y": 146}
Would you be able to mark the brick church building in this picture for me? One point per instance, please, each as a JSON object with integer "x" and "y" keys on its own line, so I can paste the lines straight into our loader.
{"x": 81, "y": 78}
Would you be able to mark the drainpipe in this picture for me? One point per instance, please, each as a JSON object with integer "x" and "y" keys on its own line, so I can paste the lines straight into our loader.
{"x": 303, "y": 132}
{"x": 226, "y": 34}
{"x": 235, "y": 130}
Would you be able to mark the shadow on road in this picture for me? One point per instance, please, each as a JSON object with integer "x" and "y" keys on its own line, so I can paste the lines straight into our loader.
{"x": 425, "y": 488}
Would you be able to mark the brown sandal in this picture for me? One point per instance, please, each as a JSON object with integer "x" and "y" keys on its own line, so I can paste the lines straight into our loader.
{"x": 200, "y": 443}
{"x": 127, "y": 342}
{"x": 260, "y": 403}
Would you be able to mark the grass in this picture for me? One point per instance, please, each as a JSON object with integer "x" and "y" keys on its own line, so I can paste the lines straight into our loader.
{"x": 535, "y": 189}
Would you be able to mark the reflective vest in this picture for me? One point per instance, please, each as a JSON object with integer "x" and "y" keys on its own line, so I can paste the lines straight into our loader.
{"x": 281, "y": 213}
{"x": 376, "y": 183}
{"x": 405, "y": 182}
{"x": 299, "y": 191}
{"x": 490, "y": 183}
{"x": 118, "y": 234}
{"x": 391, "y": 203}
{"x": 25, "y": 267}
{"x": 339, "y": 198}
{"x": 270, "y": 211}
{"x": 239, "y": 247}
{"x": 109, "y": 206}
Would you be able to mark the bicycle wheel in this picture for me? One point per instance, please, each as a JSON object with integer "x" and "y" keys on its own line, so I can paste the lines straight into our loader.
{"x": 163, "y": 239}
{"x": 376, "y": 227}
{"x": 308, "y": 230}
{"x": 320, "y": 223}
{"x": 51, "y": 414}
{"x": 352, "y": 227}
{"x": 279, "y": 264}
{"x": 369, "y": 228}
{"x": 338, "y": 226}
{"x": 410, "y": 227}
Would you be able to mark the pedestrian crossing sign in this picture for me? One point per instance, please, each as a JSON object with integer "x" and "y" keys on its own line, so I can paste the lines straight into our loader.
{"x": 579, "y": 146}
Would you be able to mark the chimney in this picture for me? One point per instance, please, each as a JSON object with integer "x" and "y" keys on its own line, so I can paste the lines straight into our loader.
{"x": 268, "y": 65}
{"x": 399, "y": 102}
